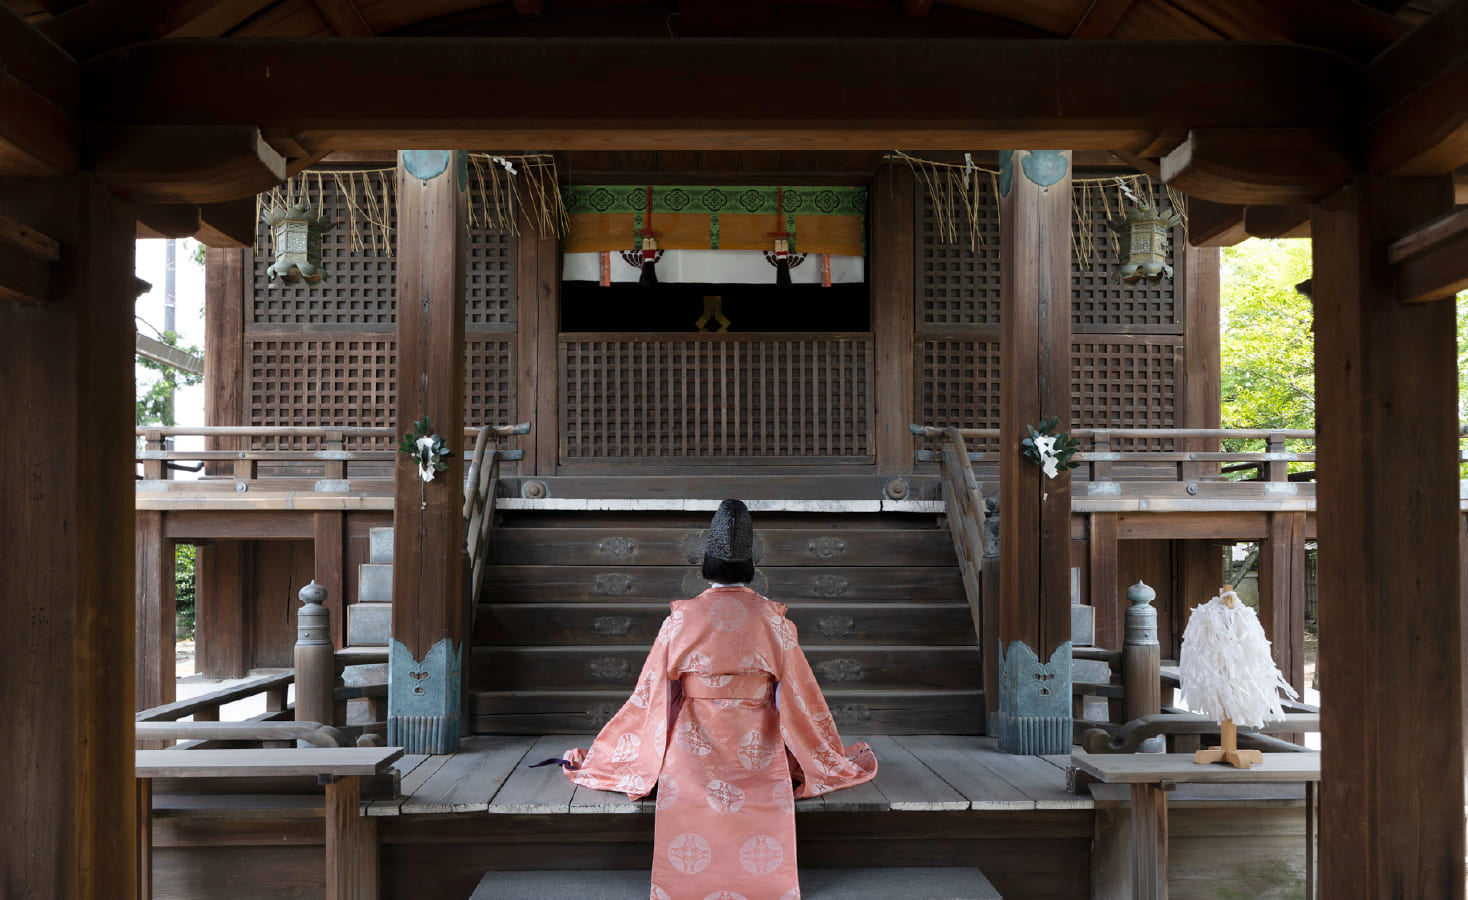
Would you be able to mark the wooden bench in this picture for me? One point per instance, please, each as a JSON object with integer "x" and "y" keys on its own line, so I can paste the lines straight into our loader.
{"x": 351, "y": 844}
{"x": 815, "y": 884}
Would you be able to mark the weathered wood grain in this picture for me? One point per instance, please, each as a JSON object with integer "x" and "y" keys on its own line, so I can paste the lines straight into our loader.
{"x": 835, "y": 544}
{"x": 620, "y": 583}
{"x": 467, "y": 781}
{"x": 892, "y": 325}
{"x": 542, "y": 790}
{"x": 907, "y": 782}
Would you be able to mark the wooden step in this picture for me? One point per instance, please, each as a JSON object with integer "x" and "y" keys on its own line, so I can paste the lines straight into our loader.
{"x": 869, "y": 711}
{"x": 374, "y": 583}
{"x": 825, "y": 543}
{"x": 369, "y": 624}
{"x": 840, "y": 666}
{"x": 908, "y": 883}
{"x": 506, "y": 583}
{"x": 380, "y": 544}
{"x": 819, "y": 623}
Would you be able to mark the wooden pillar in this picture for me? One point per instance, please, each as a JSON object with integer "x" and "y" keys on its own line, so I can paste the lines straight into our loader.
{"x": 1282, "y": 593}
{"x": 330, "y": 545}
{"x": 222, "y": 615}
{"x": 226, "y": 285}
{"x": 1105, "y": 579}
{"x": 539, "y": 325}
{"x": 892, "y": 315}
{"x": 1034, "y": 545}
{"x": 425, "y": 655}
{"x": 154, "y": 652}
{"x": 66, "y": 551}
{"x": 1391, "y": 809}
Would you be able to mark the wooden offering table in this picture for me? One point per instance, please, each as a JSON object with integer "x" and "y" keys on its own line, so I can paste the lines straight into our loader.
{"x": 351, "y": 846}
{"x": 1151, "y": 775}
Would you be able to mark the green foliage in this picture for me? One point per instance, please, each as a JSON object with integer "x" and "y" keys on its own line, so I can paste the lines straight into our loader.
{"x": 1268, "y": 347}
{"x": 183, "y": 589}
{"x": 155, "y": 392}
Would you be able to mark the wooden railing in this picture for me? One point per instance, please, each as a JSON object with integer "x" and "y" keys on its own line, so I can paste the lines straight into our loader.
{"x": 769, "y": 398}
{"x": 321, "y": 463}
{"x": 480, "y": 485}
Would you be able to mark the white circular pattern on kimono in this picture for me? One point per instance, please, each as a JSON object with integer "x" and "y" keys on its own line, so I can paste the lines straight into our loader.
{"x": 723, "y": 797}
{"x": 792, "y": 894}
{"x": 634, "y": 785}
{"x": 689, "y": 853}
{"x": 784, "y": 632}
{"x": 817, "y": 788}
{"x": 671, "y": 626}
{"x": 627, "y": 749}
{"x": 726, "y": 895}
{"x": 761, "y": 855}
{"x": 829, "y": 761}
{"x": 716, "y": 681}
{"x": 660, "y": 894}
{"x": 754, "y": 751}
{"x": 755, "y": 664}
{"x": 643, "y": 693}
{"x": 667, "y": 791}
{"x": 727, "y": 613}
{"x": 691, "y": 738}
{"x": 783, "y": 796}
{"x": 827, "y": 725}
{"x": 696, "y": 663}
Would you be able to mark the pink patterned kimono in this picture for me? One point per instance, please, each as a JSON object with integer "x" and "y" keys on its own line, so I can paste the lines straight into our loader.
{"x": 728, "y": 680}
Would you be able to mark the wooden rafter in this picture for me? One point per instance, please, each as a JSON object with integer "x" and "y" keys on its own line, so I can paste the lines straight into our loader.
{"x": 1415, "y": 93}
{"x": 1100, "y": 19}
{"x": 39, "y": 90}
{"x": 1432, "y": 260}
{"x": 408, "y": 93}
{"x": 185, "y": 164}
{"x": 1214, "y": 224}
{"x": 26, "y": 258}
{"x": 345, "y": 18}
{"x": 1257, "y": 166}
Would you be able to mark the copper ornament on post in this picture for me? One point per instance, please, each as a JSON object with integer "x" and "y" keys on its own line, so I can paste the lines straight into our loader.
{"x": 297, "y": 231}
{"x": 1142, "y": 237}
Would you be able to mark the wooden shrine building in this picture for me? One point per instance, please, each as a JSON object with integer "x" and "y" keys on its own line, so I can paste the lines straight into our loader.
{"x": 942, "y": 176}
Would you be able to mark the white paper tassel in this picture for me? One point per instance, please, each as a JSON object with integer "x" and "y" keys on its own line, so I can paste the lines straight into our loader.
{"x": 1226, "y": 668}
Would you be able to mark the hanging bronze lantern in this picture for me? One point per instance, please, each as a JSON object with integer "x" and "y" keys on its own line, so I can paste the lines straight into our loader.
{"x": 1142, "y": 236}
{"x": 297, "y": 233}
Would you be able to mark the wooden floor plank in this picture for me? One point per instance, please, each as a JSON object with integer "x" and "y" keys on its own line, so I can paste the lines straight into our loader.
{"x": 590, "y": 800}
{"x": 907, "y": 783}
{"x": 1036, "y": 778}
{"x": 543, "y": 790}
{"x": 413, "y": 769}
{"x": 954, "y": 759}
{"x": 862, "y": 798}
{"x": 470, "y": 777}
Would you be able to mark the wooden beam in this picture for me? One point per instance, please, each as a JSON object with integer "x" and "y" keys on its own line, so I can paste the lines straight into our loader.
{"x": 344, "y": 17}
{"x": 34, "y": 60}
{"x": 170, "y": 164}
{"x": 167, "y": 220}
{"x": 1214, "y": 224}
{"x": 37, "y": 137}
{"x": 29, "y": 241}
{"x": 67, "y": 546}
{"x": 1431, "y": 262}
{"x": 529, "y": 7}
{"x": 1415, "y": 91}
{"x": 1100, "y": 19}
{"x": 390, "y": 91}
{"x": 1460, "y": 188}
{"x": 1386, "y": 376}
{"x": 230, "y": 224}
{"x": 917, "y": 7}
{"x": 154, "y": 596}
{"x": 1256, "y": 166}
{"x": 23, "y": 278}
{"x": 1277, "y": 221}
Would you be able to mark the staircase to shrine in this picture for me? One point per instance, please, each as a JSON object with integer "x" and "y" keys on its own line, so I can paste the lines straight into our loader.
{"x": 573, "y": 600}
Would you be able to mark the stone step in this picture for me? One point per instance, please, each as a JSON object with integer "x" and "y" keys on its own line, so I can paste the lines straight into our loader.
{"x": 380, "y": 543}
{"x": 374, "y": 583}
{"x": 815, "y": 884}
{"x": 369, "y": 624}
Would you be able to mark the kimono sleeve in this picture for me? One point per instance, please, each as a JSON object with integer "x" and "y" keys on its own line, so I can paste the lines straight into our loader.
{"x": 821, "y": 763}
{"x": 627, "y": 755}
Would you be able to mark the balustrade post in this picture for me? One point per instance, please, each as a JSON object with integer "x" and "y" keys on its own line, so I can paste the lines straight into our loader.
{"x": 154, "y": 469}
{"x": 1100, "y": 469}
{"x": 315, "y": 662}
{"x": 336, "y": 468}
{"x": 1141, "y": 661}
{"x": 1276, "y": 470}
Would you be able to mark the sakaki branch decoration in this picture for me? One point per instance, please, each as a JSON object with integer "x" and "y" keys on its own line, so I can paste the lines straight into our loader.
{"x": 427, "y": 449}
{"x": 1050, "y": 451}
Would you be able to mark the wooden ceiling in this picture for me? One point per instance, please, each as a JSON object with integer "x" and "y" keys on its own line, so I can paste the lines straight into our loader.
{"x": 1359, "y": 30}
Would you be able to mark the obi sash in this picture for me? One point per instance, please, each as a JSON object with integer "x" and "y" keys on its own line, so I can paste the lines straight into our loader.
{"x": 728, "y": 687}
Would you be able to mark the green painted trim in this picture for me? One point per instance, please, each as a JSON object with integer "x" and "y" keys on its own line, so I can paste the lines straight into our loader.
{"x": 752, "y": 200}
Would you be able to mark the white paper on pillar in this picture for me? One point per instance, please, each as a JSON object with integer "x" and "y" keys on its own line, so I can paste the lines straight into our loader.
{"x": 716, "y": 267}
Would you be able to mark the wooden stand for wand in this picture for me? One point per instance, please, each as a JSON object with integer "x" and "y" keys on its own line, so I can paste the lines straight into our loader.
{"x": 1228, "y": 750}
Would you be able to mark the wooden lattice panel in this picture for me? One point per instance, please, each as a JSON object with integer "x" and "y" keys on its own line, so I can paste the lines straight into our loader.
{"x": 351, "y": 380}
{"x": 1126, "y": 383}
{"x": 958, "y": 384}
{"x": 627, "y": 397}
{"x": 958, "y": 284}
{"x": 1100, "y": 303}
{"x": 359, "y": 291}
